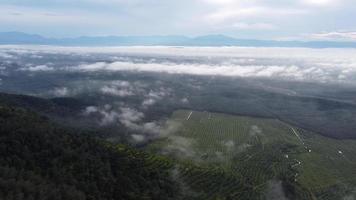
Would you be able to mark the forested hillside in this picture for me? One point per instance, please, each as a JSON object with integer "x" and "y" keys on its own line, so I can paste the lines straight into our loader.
{"x": 211, "y": 156}
{"x": 40, "y": 160}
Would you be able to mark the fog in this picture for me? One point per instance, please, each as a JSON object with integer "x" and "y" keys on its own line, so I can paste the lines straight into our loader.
{"x": 149, "y": 83}
{"x": 299, "y": 64}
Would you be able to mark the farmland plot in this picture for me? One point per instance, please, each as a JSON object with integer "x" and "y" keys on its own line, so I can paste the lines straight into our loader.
{"x": 259, "y": 153}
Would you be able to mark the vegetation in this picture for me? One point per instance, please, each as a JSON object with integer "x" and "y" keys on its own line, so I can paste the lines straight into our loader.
{"x": 260, "y": 152}
{"x": 40, "y": 160}
{"x": 211, "y": 156}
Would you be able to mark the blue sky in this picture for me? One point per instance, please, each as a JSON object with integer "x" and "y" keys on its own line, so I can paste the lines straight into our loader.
{"x": 259, "y": 19}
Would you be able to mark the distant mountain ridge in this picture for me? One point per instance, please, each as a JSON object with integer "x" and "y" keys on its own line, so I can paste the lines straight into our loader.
{"x": 19, "y": 38}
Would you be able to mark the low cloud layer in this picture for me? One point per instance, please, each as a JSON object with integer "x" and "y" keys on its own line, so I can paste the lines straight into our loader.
{"x": 200, "y": 69}
{"x": 297, "y": 64}
{"x": 300, "y": 64}
{"x": 319, "y": 71}
{"x": 336, "y": 35}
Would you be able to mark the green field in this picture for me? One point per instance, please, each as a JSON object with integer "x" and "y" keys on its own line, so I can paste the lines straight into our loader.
{"x": 251, "y": 156}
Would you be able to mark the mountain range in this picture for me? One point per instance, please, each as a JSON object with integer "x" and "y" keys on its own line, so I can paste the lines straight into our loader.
{"x": 20, "y": 38}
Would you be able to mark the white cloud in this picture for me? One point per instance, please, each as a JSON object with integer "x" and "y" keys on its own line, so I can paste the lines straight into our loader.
{"x": 91, "y": 109}
{"x": 319, "y": 2}
{"x": 317, "y": 65}
{"x": 154, "y": 96}
{"x": 247, "y": 54}
{"x": 119, "y": 83}
{"x": 229, "y": 144}
{"x": 253, "y": 26}
{"x": 52, "y": 17}
{"x": 221, "y": 2}
{"x": 132, "y": 119}
{"x": 182, "y": 147}
{"x": 275, "y": 190}
{"x": 336, "y": 35}
{"x": 255, "y": 131}
{"x": 129, "y": 115}
{"x": 151, "y": 127}
{"x": 302, "y": 64}
{"x": 138, "y": 138}
{"x": 148, "y": 102}
{"x": 230, "y": 11}
{"x": 231, "y": 14}
{"x": 38, "y": 68}
{"x": 185, "y": 100}
{"x": 120, "y": 88}
{"x": 93, "y": 67}
{"x": 116, "y": 92}
{"x": 6, "y": 55}
{"x": 61, "y": 92}
{"x": 107, "y": 115}
{"x": 162, "y": 17}
{"x": 284, "y": 71}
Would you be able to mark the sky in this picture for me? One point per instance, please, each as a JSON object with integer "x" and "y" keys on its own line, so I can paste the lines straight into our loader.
{"x": 254, "y": 19}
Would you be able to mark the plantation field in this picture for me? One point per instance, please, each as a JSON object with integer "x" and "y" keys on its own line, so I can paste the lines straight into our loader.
{"x": 260, "y": 154}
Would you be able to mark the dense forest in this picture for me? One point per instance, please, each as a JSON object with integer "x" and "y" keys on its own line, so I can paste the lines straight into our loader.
{"x": 44, "y": 158}
{"x": 41, "y": 160}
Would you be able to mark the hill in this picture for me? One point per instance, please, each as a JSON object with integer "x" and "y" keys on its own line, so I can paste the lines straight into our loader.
{"x": 40, "y": 160}
{"x": 43, "y": 160}
{"x": 210, "y": 156}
